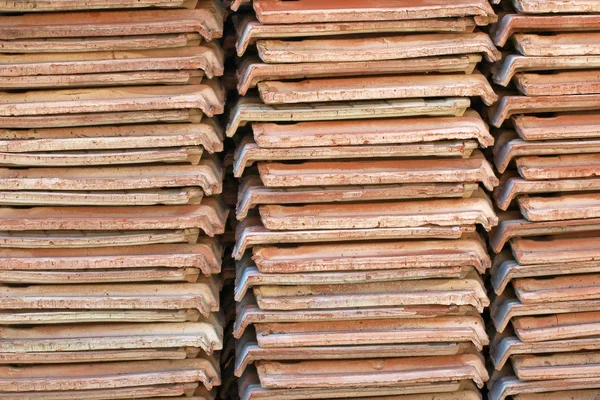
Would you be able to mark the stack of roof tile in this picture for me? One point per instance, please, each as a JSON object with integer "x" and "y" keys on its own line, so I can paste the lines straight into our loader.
{"x": 546, "y": 280}
{"x": 359, "y": 261}
{"x": 109, "y": 263}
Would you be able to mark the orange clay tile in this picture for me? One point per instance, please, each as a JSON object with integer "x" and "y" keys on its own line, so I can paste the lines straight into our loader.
{"x": 557, "y": 366}
{"x": 512, "y": 105}
{"x": 201, "y": 296}
{"x": 357, "y": 256}
{"x": 248, "y": 352}
{"x": 512, "y": 225}
{"x": 248, "y": 313}
{"x": 426, "y": 170}
{"x": 518, "y": 65}
{"x": 248, "y": 276}
{"x": 253, "y": 193}
{"x": 377, "y": 48}
{"x": 377, "y": 88}
{"x": 206, "y": 20}
{"x": 564, "y": 207}
{"x": 248, "y": 152}
{"x": 210, "y": 216}
{"x": 252, "y": 71}
{"x": 371, "y": 373}
{"x": 208, "y": 97}
{"x": 248, "y": 110}
{"x": 508, "y": 147}
{"x": 207, "y": 175}
{"x": 26, "y": 380}
{"x": 510, "y": 24}
{"x": 468, "y": 291}
{"x": 556, "y": 6}
{"x": 206, "y": 134}
{"x": 397, "y": 214}
{"x": 569, "y": 166}
{"x": 95, "y": 44}
{"x": 309, "y": 11}
{"x": 62, "y": 5}
{"x": 560, "y": 126}
{"x": 250, "y": 389}
{"x": 556, "y": 45}
{"x": 562, "y": 83}
{"x": 453, "y": 329}
{"x": 511, "y": 386}
{"x": 249, "y": 30}
{"x": 49, "y": 342}
{"x": 204, "y": 256}
{"x": 361, "y": 132}
{"x": 101, "y": 119}
{"x": 251, "y": 232}
{"x": 207, "y": 57}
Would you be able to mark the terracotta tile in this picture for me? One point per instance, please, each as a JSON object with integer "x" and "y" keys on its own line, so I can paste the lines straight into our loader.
{"x": 469, "y": 126}
{"x": 136, "y": 391}
{"x": 468, "y": 251}
{"x": 46, "y": 344}
{"x": 79, "y": 239}
{"x": 250, "y": 389}
{"x": 381, "y": 373}
{"x": 560, "y": 126}
{"x": 510, "y": 105}
{"x": 101, "y": 119}
{"x": 249, "y": 30}
{"x": 248, "y": 313}
{"x": 248, "y": 276}
{"x": 206, "y": 19}
{"x": 376, "y": 88}
{"x": 201, "y": 297}
{"x": 514, "y": 23}
{"x": 252, "y": 71}
{"x": 567, "y": 206}
{"x": 509, "y": 147}
{"x": 306, "y": 11}
{"x": 512, "y": 225}
{"x": 359, "y": 172}
{"x": 512, "y": 386}
{"x": 208, "y": 97}
{"x": 377, "y": 48}
{"x": 109, "y": 375}
{"x": 248, "y": 152}
{"x": 507, "y": 346}
{"x": 453, "y": 329}
{"x": 250, "y": 109}
{"x": 467, "y": 291}
{"x": 253, "y": 193}
{"x": 398, "y": 214}
{"x": 579, "y": 324}
{"x": 251, "y": 232}
{"x": 210, "y": 216}
{"x": 570, "y": 166}
{"x": 95, "y": 44}
{"x": 207, "y": 175}
{"x": 207, "y": 58}
{"x": 556, "y": 6}
{"x": 248, "y": 351}
{"x": 517, "y": 65}
{"x": 562, "y": 83}
{"x": 508, "y": 308}
{"x": 206, "y": 134}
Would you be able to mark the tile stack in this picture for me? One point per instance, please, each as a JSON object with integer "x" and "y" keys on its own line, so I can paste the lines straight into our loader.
{"x": 547, "y": 274}
{"x": 358, "y": 258}
{"x": 109, "y": 260}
